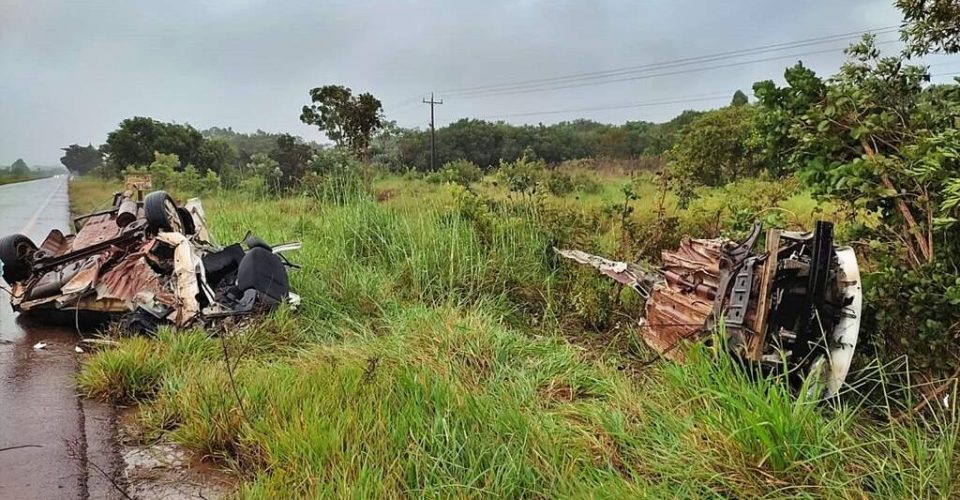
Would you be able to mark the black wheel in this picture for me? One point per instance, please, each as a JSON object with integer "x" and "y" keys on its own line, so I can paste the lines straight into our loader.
{"x": 161, "y": 212}
{"x": 16, "y": 253}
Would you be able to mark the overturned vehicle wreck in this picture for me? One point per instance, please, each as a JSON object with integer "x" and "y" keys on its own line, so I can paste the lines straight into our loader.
{"x": 146, "y": 261}
{"x": 792, "y": 307}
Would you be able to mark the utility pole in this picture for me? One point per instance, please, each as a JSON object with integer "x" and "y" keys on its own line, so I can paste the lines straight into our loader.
{"x": 433, "y": 133}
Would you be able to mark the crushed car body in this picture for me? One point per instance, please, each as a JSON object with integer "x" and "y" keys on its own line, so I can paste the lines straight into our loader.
{"x": 792, "y": 306}
{"x": 146, "y": 261}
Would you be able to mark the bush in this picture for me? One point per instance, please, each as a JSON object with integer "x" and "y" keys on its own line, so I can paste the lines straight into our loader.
{"x": 165, "y": 174}
{"x": 523, "y": 175}
{"x": 336, "y": 176}
{"x": 463, "y": 172}
{"x": 559, "y": 183}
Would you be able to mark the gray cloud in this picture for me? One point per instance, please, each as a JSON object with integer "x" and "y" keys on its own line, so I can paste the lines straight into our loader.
{"x": 73, "y": 70}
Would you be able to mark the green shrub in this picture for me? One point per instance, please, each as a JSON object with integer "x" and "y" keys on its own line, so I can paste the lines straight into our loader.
{"x": 523, "y": 175}
{"x": 559, "y": 183}
{"x": 461, "y": 172}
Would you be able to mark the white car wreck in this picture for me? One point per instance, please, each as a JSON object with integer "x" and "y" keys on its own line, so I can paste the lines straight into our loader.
{"x": 146, "y": 261}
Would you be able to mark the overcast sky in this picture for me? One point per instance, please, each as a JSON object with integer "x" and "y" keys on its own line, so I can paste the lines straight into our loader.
{"x": 72, "y": 70}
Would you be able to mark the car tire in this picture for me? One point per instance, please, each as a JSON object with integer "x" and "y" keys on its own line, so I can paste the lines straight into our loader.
{"x": 16, "y": 253}
{"x": 161, "y": 213}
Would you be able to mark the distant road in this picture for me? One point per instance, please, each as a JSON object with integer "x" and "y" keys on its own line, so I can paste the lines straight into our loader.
{"x": 48, "y": 436}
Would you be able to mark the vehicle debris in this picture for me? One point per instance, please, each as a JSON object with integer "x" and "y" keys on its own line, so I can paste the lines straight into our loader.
{"x": 793, "y": 307}
{"x": 146, "y": 261}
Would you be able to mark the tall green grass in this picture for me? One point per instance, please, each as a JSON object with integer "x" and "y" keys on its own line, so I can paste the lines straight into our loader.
{"x": 431, "y": 358}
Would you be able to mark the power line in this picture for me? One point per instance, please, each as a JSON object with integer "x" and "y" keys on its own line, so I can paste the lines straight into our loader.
{"x": 666, "y": 64}
{"x": 655, "y": 75}
{"x": 682, "y": 100}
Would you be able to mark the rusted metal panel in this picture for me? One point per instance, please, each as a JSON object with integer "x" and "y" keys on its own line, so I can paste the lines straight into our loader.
{"x": 678, "y": 310}
{"x": 56, "y": 243}
{"x": 97, "y": 229}
{"x": 674, "y": 317}
{"x": 696, "y": 260}
{"x": 129, "y": 277}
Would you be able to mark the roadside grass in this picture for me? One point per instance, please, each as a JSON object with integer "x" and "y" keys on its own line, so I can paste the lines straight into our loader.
{"x": 432, "y": 357}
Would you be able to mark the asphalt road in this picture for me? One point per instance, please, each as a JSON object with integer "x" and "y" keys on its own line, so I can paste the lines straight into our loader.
{"x": 53, "y": 444}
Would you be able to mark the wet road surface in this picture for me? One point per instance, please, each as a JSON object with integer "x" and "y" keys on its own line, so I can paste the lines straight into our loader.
{"x": 52, "y": 443}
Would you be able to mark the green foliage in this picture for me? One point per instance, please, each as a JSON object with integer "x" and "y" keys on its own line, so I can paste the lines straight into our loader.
{"x": 917, "y": 310}
{"x": 461, "y": 172}
{"x": 261, "y": 175}
{"x": 930, "y": 26}
{"x": 523, "y": 175}
{"x": 81, "y": 160}
{"x": 486, "y": 143}
{"x": 247, "y": 145}
{"x": 292, "y": 158}
{"x": 137, "y": 139}
{"x": 350, "y": 121}
{"x": 739, "y": 99}
{"x": 559, "y": 183}
{"x": 433, "y": 356}
{"x": 876, "y": 139}
{"x": 165, "y": 174}
{"x": 716, "y": 148}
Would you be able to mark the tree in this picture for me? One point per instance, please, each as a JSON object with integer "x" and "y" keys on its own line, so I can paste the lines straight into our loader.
{"x": 349, "y": 121}
{"x": 137, "y": 139}
{"x": 19, "y": 168}
{"x": 81, "y": 159}
{"x": 245, "y": 145}
{"x": 930, "y": 26}
{"x": 216, "y": 155}
{"x": 717, "y": 147}
{"x": 292, "y": 158}
{"x": 862, "y": 135}
{"x": 876, "y": 138}
{"x": 739, "y": 99}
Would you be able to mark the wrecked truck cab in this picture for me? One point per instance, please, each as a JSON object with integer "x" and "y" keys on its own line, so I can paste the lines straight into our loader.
{"x": 140, "y": 262}
{"x": 793, "y": 307}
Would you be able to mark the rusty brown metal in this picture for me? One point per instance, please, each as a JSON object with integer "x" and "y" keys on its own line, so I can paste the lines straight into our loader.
{"x": 127, "y": 212}
{"x": 56, "y": 243}
{"x": 679, "y": 308}
{"x": 96, "y": 229}
{"x": 131, "y": 276}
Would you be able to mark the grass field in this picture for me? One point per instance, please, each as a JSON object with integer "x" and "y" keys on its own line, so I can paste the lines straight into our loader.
{"x": 442, "y": 351}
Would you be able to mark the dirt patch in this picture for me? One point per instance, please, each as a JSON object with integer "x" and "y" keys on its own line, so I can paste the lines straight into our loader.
{"x": 167, "y": 470}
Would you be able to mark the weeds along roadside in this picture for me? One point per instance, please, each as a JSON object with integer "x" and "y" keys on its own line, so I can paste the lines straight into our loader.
{"x": 427, "y": 360}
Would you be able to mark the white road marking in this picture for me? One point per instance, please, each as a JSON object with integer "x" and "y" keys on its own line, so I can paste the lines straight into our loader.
{"x": 43, "y": 206}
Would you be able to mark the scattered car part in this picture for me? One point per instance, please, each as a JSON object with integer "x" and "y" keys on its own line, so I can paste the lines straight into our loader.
{"x": 793, "y": 307}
